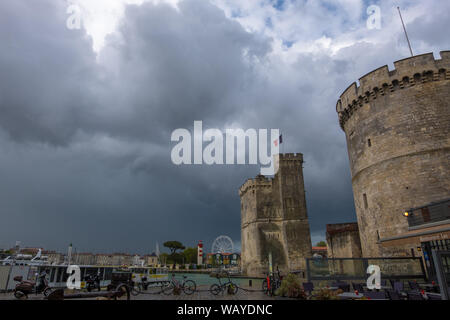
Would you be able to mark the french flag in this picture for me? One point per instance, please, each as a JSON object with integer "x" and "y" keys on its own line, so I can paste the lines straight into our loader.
{"x": 278, "y": 141}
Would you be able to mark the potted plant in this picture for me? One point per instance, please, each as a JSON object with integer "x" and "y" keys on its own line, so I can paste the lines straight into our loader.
{"x": 291, "y": 288}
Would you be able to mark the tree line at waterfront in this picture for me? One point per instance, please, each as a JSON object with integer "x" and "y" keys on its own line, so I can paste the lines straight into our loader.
{"x": 179, "y": 254}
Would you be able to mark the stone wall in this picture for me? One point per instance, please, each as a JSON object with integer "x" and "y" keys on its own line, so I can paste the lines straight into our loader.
{"x": 343, "y": 241}
{"x": 397, "y": 125}
{"x": 274, "y": 219}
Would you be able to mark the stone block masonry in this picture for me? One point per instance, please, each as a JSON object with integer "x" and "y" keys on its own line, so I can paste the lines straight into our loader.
{"x": 274, "y": 219}
{"x": 397, "y": 125}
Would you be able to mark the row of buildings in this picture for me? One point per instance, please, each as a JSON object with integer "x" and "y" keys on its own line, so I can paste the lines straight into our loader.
{"x": 223, "y": 259}
{"x": 86, "y": 258}
{"x": 117, "y": 259}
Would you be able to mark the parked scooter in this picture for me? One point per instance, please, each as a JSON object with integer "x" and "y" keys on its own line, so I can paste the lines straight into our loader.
{"x": 93, "y": 282}
{"x": 26, "y": 287}
{"x": 143, "y": 285}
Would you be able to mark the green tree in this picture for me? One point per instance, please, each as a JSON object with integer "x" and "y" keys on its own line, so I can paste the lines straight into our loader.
{"x": 164, "y": 258}
{"x": 190, "y": 255}
{"x": 174, "y": 246}
{"x": 321, "y": 244}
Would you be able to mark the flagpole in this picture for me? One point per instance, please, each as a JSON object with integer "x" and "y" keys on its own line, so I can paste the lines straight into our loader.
{"x": 279, "y": 142}
{"x": 280, "y": 138}
{"x": 406, "y": 33}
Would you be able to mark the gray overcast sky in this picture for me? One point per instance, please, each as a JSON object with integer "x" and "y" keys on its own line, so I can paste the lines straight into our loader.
{"x": 86, "y": 115}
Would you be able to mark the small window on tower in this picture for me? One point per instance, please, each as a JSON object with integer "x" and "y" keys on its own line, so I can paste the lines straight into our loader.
{"x": 369, "y": 143}
{"x": 366, "y": 205}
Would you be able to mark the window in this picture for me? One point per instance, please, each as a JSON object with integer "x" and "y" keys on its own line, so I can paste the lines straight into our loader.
{"x": 366, "y": 205}
{"x": 61, "y": 271}
{"x": 65, "y": 275}
{"x": 289, "y": 203}
{"x": 108, "y": 273}
{"x": 52, "y": 275}
{"x": 426, "y": 215}
{"x": 369, "y": 143}
{"x": 102, "y": 273}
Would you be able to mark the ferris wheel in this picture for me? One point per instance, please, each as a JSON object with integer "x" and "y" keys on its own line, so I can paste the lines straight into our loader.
{"x": 222, "y": 244}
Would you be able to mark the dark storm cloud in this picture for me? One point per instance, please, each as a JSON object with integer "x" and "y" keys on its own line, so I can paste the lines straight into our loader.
{"x": 93, "y": 139}
{"x": 46, "y": 72}
{"x": 176, "y": 67}
{"x": 85, "y": 139}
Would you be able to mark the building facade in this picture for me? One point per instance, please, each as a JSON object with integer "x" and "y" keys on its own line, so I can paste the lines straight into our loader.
{"x": 53, "y": 257}
{"x": 320, "y": 252}
{"x": 103, "y": 259}
{"x": 84, "y": 258}
{"x": 223, "y": 259}
{"x": 343, "y": 241}
{"x": 152, "y": 260}
{"x": 397, "y": 126}
{"x": 274, "y": 221}
{"x": 426, "y": 225}
{"x": 122, "y": 259}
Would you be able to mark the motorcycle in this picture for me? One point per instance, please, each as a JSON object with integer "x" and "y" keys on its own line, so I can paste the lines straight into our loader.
{"x": 93, "y": 282}
{"x": 143, "y": 285}
{"x": 26, "y": 287}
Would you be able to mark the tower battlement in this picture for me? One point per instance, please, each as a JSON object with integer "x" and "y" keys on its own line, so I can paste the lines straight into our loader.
{"x": 265, "y": 182}
{"x": 408, "y": 72}
{"x": 257, "y": 183}
{"x": 291, "y": 156}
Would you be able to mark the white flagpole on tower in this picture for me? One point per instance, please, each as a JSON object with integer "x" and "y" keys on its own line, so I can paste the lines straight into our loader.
{"x": 406, "y": 33}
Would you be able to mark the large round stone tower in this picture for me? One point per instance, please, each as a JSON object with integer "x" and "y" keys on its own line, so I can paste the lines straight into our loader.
{"x": 397, "y": 125}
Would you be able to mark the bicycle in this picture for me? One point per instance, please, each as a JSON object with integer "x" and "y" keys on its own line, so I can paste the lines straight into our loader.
{"x": 232, "y": 288}
{"x": 188, "y": 286}
{"x": 138, "y": 287}
{"x": 272, "y": 282}
{"x": 133, "y": 290}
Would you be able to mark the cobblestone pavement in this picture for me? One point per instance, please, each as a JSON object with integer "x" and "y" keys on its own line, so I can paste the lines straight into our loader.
{"x": 202, "y": 293}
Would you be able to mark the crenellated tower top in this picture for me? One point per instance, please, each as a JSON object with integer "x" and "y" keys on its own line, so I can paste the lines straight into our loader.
{"x": 264, "y": 182}
{"x": 291, "y": 156}
{"x": 257, "y": 183}
{"x": 380, "y": 82}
